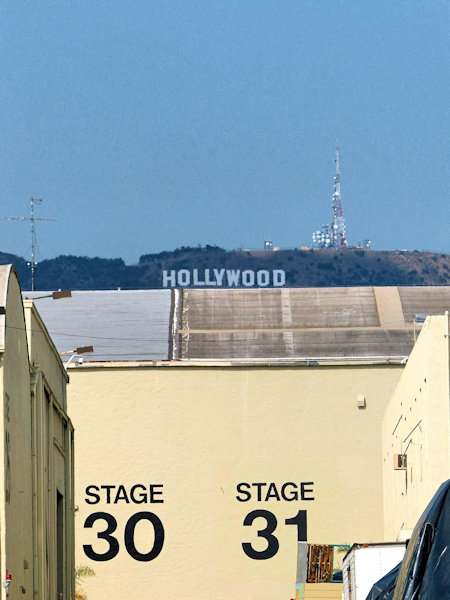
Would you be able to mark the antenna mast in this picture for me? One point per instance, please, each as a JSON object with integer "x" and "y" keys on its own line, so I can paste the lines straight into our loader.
{"x": 338, "y": 239}
{"x": 33, "y": 263}
{"x": 333, "y": 235}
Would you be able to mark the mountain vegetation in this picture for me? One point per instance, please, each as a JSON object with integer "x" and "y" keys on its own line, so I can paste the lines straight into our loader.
{"x": 303, "y": 268}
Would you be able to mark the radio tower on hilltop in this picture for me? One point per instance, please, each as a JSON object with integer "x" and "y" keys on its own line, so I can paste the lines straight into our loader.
{"x": 338, "y": 239}
{"x": 333, "y": 235}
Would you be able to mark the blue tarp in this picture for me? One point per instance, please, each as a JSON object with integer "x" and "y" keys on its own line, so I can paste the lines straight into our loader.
{"x": 383, "y": 589}
{"x": 424, "y": 573}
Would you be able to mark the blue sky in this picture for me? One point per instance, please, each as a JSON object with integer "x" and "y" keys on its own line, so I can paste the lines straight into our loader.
{"x": 150, "y": 125}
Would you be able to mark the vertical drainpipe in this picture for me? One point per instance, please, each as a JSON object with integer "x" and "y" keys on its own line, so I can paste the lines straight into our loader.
{"x": 71, "y": 435}
{"x": 69, "y": 508}
{"x": 34, "y": 376}
{"x": 51, "y": 512}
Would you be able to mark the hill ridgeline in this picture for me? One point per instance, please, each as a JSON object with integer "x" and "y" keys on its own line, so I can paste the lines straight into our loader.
{"x": 211, "y": 266}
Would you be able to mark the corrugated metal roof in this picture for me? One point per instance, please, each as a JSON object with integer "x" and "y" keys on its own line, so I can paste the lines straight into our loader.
{"x": 424, "y": 300}
{"x": 302, "y": 322}
{"x": 311, "y": 345}
{"x": 278, "y": 308}
{"x": 121, "y": 325}
{"x": 284, "y": 323}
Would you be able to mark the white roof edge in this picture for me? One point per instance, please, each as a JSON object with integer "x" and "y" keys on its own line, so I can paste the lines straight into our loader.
{"x": 275, "y": 362}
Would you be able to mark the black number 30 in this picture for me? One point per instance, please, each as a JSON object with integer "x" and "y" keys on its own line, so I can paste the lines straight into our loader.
{"x": 129, "y": 536}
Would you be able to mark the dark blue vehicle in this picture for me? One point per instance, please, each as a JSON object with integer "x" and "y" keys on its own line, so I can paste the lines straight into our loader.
{"x": 424, "y": 573}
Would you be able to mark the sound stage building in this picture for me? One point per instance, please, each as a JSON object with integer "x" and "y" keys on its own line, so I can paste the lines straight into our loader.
{"x": 36, "y": 453}
{"x": 217, "y": 429}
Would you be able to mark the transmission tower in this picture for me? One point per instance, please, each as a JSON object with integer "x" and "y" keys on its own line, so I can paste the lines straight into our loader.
{"x": 338, "y": 239}
{"x": 333, "y": 235}
{"x": 33, "y": 263}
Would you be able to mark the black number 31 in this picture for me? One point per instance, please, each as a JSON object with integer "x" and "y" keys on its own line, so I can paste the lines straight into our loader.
{"x": 266, "y": 533}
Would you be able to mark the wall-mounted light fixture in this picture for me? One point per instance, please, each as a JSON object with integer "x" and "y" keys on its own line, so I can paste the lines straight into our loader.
{"x": 76, "y": 354}
{"x": 55, "y": 295}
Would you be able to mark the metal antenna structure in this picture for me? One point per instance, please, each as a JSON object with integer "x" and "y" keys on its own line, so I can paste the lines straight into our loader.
{"x": 33, "y": 263}
{"x": 338, "y": 239}
{"x": 333, "y": 235}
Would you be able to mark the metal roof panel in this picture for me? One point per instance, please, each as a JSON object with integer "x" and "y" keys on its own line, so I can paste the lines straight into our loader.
{"x": 120, "y": 324}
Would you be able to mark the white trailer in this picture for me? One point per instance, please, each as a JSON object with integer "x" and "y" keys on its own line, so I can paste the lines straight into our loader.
{"x": 365, "y": 564}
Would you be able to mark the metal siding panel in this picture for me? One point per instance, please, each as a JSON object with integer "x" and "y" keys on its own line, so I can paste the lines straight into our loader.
{"x": 429, "y": 300}
{"x": 360, "y": 343}
{"x": 121, "y": 325}
{"x": 135, "y": 325}
{"x": 262, "y": 308}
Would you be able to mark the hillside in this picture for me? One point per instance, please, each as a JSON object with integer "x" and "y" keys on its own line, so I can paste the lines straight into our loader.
{"x": 302, "y": 268}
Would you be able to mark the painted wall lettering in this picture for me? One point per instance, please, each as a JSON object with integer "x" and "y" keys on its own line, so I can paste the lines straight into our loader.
{"x": 113, "y": 544}
{"x": 266, "y": 523}
{"x": 264, "y": 492}
{"x": 268, "y": 532}
{"x": 135, "y": 494}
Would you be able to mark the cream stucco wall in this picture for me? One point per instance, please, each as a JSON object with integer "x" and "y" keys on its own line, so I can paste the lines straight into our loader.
{"x": 200, "y": 431}
{"x": 15, "y": 452}
{"x": 417, "y": 424}
{"x": 43, "y": 354}
{"x": 36, "y": 530}
{"x": 53, "y": 457}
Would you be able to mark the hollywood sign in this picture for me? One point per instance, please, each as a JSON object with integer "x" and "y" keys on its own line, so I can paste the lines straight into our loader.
{"x": 224, "y": 278}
